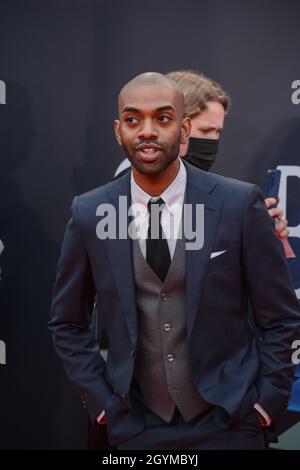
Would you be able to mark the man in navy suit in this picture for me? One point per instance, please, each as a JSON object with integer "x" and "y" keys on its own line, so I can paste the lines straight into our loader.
{"x": 187, "y": 368}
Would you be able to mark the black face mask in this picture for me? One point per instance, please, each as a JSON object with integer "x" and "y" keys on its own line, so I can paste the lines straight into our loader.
{"x": 202, "y": 152}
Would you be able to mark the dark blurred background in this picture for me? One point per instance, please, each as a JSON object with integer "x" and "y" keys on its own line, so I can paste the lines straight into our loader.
{"x": 63, "y": 63}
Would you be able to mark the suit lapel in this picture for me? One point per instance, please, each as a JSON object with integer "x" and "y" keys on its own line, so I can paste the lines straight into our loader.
{"x": 120, "y": 255}
{"x": 199, "y": 189}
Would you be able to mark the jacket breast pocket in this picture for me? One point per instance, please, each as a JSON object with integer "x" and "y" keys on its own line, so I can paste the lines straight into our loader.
{"x": 222, "y": 260}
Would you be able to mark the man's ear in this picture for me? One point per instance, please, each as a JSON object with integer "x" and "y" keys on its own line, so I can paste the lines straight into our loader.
{"x": 185, "y": 130}
{"x": 117, "y": 132}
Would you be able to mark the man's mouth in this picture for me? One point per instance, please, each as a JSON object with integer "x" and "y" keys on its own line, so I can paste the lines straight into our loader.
{"x": 148, "y": 152}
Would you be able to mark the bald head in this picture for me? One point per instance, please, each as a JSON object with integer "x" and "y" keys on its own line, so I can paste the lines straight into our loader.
{"x": 154, "y": 81}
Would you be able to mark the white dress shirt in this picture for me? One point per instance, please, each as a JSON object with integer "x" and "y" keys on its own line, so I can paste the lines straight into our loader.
{"x": 171, "y": 214}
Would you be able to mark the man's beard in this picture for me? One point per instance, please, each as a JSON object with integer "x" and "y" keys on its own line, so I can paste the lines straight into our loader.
{"x": 158, "y": 166}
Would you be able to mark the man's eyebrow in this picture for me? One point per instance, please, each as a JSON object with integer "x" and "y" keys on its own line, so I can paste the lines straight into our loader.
{"x": 131, "y": 109}
{"x": 167, "y": 107}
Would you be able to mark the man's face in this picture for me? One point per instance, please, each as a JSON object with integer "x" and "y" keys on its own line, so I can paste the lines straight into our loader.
{"x": 207, "y": 125}
{"x": 151, "y": 127}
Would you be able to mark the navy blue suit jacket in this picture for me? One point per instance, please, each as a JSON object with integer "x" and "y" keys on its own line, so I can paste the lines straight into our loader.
{"x": 235, "y": 361}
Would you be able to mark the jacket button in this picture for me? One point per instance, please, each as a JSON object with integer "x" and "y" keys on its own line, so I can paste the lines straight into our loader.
{"x": 163, "y": 296}
{"x": 132, "y": 352}
{"x": 125, "y": 397}
{"x": 170, "y": 357}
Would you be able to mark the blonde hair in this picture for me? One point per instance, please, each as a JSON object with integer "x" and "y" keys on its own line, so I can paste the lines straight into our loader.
{"x": 198, "y": 90}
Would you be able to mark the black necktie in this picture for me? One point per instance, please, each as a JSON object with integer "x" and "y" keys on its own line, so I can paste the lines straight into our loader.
{"x": 157, "y": 250}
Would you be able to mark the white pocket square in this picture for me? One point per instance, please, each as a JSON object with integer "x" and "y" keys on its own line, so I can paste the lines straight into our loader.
{"x": 217, "y": 253}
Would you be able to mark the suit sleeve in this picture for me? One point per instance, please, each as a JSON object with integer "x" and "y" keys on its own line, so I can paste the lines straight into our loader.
{"x": 71, "y": 320}
{"x": 275, "y": 306}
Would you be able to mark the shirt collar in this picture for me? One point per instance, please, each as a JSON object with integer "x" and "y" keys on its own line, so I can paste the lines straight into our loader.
{"x": 172, "y": 195}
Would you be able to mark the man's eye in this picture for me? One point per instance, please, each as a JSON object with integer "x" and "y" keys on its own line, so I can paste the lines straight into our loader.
{"x": 131, "y": 119}
{"x": 164, "y": 118}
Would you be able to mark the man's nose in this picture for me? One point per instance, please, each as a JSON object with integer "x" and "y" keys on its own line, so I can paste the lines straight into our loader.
{"x": 148, "y": 130}
{"x": 213, "y": 134}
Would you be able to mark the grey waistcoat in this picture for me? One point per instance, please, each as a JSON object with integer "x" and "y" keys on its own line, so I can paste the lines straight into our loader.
{"x": 162, "y": 375}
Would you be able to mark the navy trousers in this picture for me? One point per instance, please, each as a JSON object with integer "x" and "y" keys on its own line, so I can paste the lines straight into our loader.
{"x": 202, "y": 433}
